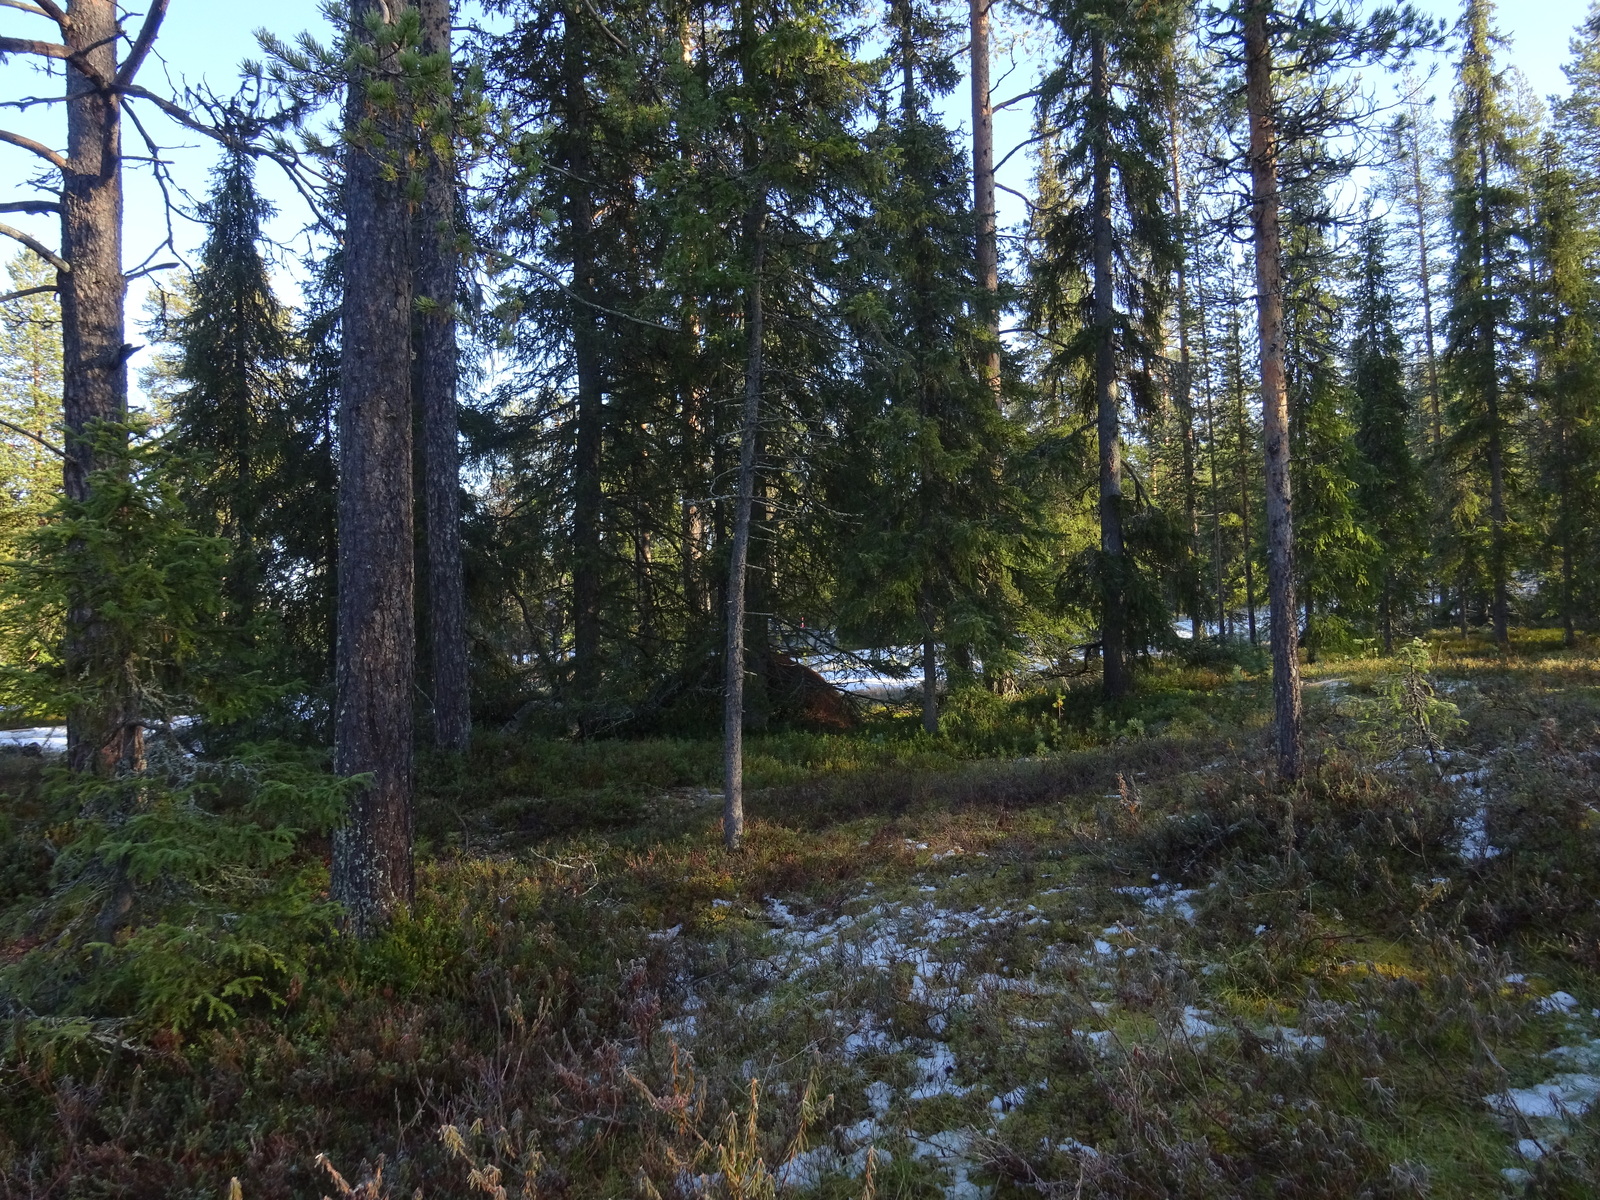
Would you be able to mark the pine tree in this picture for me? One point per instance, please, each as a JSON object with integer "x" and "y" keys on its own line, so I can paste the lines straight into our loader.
{"x": 1485, "y": 200}
{"x": 1390, "y": 483}
{"x": 1565, "y": 324}
{"x": 1286, "y": 58}
{"x": 373, "y": 868}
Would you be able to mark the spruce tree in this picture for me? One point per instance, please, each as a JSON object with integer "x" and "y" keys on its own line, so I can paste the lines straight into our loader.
{"x": 918, "y": 460}
{"x": 228, "y": 411}
{"x": 1485, "y": 202}
{"x": 1390, "y": 483}
{"x": 1564, "y": 322}
{"x": 1109, "y": 97}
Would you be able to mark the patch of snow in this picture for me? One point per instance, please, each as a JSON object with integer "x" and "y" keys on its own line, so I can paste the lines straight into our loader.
{"x": 1475, "y": 844}
{"x": 1015, "y": 1097}
{"x": 951, "y": 1149}
{"x": 879, "y": 1095}
{"x": 1194, "y": 1024}
{"x": 936, "y": 1074}
{"x": 683, "y": 1027}
{"x": 51, "y": 739}
{"x": 1567, "y": 1093}
{"x": 1529, "y": 1148}
{"x": 1558, "y": 1002}
{"x": 665, "y": 935}
{"x": 1283, "y": 1037}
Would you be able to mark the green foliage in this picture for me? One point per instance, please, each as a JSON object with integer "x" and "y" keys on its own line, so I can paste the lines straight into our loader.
{"x": 174, "y": 898}
{"x": 128, "y": 555}
{"x": 30, "y": 401}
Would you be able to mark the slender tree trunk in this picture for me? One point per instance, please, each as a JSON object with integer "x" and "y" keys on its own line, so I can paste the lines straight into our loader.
{"x": 372, "y": 852}
{"x": 1388, "y": 611}
{"x": 587, "y": 556}
{"x": 437, "y": 368}
{"x": 1274, "y": 398}
{"x": 1185, "y": 388}
{"x": 1242, "y": 425}
{"x": 1113, "y": 605}
{"x": 739, "y": 551}
{"x": 1488, "y": 333}
{"x": 930, "y": 679}
{"x": 1213, "y": 497}
{"x": 1569, "y": 625}
{"x": 988, "y": 248}
{"x": 1425, "y": 277}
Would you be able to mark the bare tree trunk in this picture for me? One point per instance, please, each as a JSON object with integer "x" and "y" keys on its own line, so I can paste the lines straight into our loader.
{"x": 988, "y": 248}
{"x": 437, "y": 373}
{"x": 1246, "y": 549}
{"x": 1267, "y": 240}
{"x": 739, "y": 551}
{"x": 1489, "y": 335}
{"x": 1223, "y": 631}
{"x": 587, "y": 499}
{"x": 373, "y": 873}
{"x": 1113, "y": 605}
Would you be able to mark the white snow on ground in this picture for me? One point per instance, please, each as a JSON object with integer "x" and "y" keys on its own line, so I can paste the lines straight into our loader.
{"x": 51, "y": 739}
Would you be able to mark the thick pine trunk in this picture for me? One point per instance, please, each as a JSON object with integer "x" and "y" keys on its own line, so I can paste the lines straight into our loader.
{"x": 1113, "y": 566}
{"x": 1267, "y": 240}
{"x": 437, "y": 377}
{"x": 988, "y": 247}
{"x": 372, "y": 852}
{"x": 733, "y": 714}
{"x": 94, "y": 355}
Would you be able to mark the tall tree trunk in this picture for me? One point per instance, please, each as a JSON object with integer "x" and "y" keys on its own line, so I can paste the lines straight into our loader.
{"x": 1113, "y": 567}
{"x": 1489, "y": 334}
{"x": 372, "y": 852}
{"x": 739, "y": 551}
{"x": 1247, "y": 544}
{"x": 988, "y": 248}
{"x": 1425, "y": 278}
{"x": 94, "y": 356}
{"x": 437, "y": 368}
{"x": 1185, "y": 390}
{"x": 1214, "y": 499}
{"x": 587, "y": 558}
{"x": 1267, "y": 240}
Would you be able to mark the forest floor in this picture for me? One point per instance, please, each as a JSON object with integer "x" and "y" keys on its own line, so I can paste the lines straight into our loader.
{"x": 1057, "y": 950}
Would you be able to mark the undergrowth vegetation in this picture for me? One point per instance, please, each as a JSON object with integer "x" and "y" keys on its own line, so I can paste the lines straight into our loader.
{"x": 1057, "y": 949}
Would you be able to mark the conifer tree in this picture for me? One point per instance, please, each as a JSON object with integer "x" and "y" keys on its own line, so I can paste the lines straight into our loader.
{"x": 918, "y": 458}
{"x": 30, "y": 399}
{"x": 1286, "y": 56}
{"x": 229, "y": 410}
{"x": 1110, "y": 96}
{"x": 1389, "y": 484}
{"x": 1485, "y": 201}
{"x": 1565, "y": 325}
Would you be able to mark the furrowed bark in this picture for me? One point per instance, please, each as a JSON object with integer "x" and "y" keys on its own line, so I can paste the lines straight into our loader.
{"x": 437, "y": 375}
{"x": 1274, "y": 397}
{"x": 94, "y": 354}
{"x": 372, "y": 852}
{"x": 1113, "y": 567}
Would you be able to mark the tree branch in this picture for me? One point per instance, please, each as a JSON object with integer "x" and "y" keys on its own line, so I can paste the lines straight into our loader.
{"x": 37, "y": 247}
{"x": 39, "y": 148}
{"x": 21, "y": 7}
{"x": 40, "y": 207}
{"x": 54, "y": 449}
{"x": 8, "y": 297}
{"x": 11, "y": 45}
{"x": 52, "y": 10}
{"x": 141, "y": 47}
{"x": 150, "y": 270}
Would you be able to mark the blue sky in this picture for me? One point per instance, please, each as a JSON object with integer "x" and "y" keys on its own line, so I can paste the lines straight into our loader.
{"x": 206, "y": 40}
